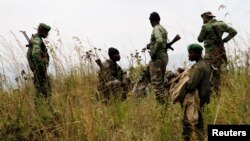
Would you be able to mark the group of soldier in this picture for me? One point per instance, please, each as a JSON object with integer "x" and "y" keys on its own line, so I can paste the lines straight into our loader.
{"x": 204, "y": 75}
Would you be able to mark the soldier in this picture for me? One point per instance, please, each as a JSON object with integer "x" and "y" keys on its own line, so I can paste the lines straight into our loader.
{"x": 159, "y": 58}
{"x": 211, "y": 34}
{"x": 38, "y": 59}
{"x": 113, "y": 81}
{"x": 198, "y": 90}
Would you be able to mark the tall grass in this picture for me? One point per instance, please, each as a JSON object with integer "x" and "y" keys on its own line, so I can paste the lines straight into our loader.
{"x": 80, "y": 116}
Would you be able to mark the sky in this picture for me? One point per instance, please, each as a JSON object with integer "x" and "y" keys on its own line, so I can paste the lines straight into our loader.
{"x": 123, "y": 24}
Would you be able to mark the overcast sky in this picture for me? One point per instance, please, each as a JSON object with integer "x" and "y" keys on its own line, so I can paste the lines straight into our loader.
{"x": 122, "y": 24}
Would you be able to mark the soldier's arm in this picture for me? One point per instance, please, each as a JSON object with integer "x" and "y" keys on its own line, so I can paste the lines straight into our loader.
{"x": 36, "y": 51}
{"x": 196, "y": 75}
{"x": 231, "y": 32}
{"x": 201, "y": 36}
{"x": 107, "y": 75}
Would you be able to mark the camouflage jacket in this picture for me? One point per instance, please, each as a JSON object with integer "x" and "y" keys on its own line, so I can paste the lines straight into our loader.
{"x": 158, "y": 41}
{"x": 39, "y": 53}
{"x": 111, "y": 74}
{"x": 200, "y": 79}
{"x": 208, "y": 34}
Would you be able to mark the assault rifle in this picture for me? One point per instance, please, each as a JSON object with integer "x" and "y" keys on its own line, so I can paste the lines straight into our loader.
{"x": 99, "y": 63}
{"x": 29, "y": 57}
{"x": 169, "y": 45}
{"x": 27, "y": 38}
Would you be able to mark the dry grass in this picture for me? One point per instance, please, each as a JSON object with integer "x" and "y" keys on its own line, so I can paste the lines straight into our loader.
{"x": 79, "y": 116}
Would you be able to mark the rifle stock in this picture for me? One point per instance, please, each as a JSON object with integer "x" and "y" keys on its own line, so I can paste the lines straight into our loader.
{"x": 176, "y": 38}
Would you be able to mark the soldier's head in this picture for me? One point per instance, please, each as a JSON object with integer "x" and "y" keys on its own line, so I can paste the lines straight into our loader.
{"x": 43, "y": 30}
{"x": 114, "y": 54}
{"x": 194, "y": 52}
{"x": 154, "y": 18}
{"x": 207, "y": 16}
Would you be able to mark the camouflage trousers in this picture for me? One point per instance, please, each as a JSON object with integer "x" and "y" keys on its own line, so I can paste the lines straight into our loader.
{"x": 157, "y": 72}
{"x": 41, "y": 81}
{"x": 216, "y": 58}
{"x": 193, "y": 126}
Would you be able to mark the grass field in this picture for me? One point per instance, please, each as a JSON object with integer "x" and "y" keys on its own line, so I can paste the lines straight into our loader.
{"x": 78, "y": 116}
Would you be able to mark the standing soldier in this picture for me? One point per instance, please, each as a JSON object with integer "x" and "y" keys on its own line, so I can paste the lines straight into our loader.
{"x": 113, "y": 81}
{"x": 159, "y": 58}
{"x": 198, "y": 90}
{"x": 211, "y": 34}
{"x": 38, "y": 59}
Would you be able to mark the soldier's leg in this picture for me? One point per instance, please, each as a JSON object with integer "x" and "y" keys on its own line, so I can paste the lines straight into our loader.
{"x": 36, "y": 82}
{"x": 41, "y": 80}
{"x": 186, "y": 130}
{"x": 126, "y": 88}
{"x": 200, "y": 127}
{"x": 125, "y": 91}
{"x": 216, "y": 81}
{"x": 38, "y": 97}
{"x": 44, "y": 82}
{"x": 42, "y": 85}
{"x": 191, "y": 108}
{"x": 157, "y": 81}
{"x": 163, "y": 68}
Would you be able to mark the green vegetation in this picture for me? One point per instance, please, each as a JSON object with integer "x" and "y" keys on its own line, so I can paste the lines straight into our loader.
{"x": 79, "y": 116}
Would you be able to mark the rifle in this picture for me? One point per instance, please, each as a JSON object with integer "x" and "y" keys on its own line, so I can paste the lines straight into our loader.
{"x": 29, "y": 57}
{"x": 27, "y": 38}
{"x": 168, "y": 45}
{"x": 99, "y": 63}
{"x": 221, "y": 44}
{"x": 176, "y": 38}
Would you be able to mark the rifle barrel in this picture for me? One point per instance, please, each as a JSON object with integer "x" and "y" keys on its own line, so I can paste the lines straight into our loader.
{"x": 25, "y": 35}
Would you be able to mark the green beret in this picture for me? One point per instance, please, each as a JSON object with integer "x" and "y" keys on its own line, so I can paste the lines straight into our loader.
{"x": 44, "y": 26}
{"x": 195, "y": 47}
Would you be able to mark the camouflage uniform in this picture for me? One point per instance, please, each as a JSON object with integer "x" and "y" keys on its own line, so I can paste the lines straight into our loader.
{"x": 158, "y": 65}
{"x": 39, "y": 59}
{"x": 213, "y": 43}
{"x": 110, "y": 79}
{"x": 198, "y": 80}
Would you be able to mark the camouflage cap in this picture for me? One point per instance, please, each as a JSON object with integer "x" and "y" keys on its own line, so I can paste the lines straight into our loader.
{"x": 208, "y": 13}
{"x": 44, "y": 26}
{"x": 195, "y": 47}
